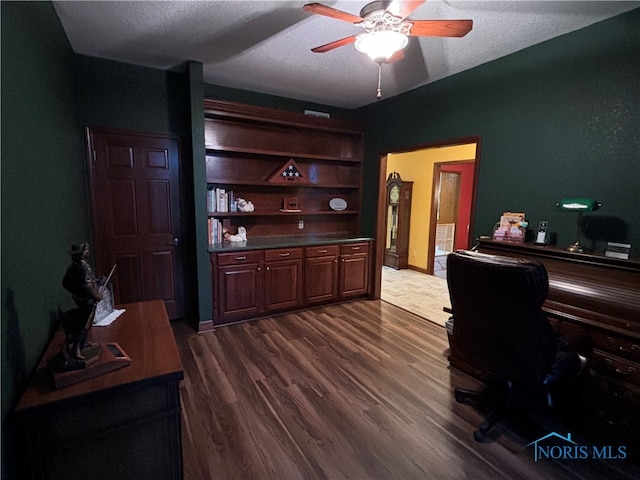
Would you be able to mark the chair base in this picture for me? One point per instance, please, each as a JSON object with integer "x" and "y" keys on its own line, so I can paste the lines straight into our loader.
{"x": 471, "y": 396}
{"x": 504, "y": 399}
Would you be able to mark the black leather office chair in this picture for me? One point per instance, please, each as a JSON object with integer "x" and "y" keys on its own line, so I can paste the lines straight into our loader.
{"x": 500, "y": 330}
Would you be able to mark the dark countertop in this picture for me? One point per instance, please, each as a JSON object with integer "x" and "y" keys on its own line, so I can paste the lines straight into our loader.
{"x": 282, "y": 242}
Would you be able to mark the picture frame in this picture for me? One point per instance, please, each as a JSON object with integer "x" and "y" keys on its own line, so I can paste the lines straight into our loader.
{"x": 290, "y": 204}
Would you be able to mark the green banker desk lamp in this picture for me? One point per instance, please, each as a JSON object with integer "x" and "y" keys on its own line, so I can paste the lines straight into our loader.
{"x": 580, "y": 205}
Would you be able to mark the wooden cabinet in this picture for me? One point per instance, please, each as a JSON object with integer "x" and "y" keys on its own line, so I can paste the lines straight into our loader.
{"x": 238, "y": 285}
{"x": 613, "y": 384}
{"x": 303, "y": 177}
{"x": 354, "y": 269}
{"x": 398, "y": 221}
{"x": 288, "y": 165}
{"x": 124, "y": 424}
{"x": 283, "y": 279}
{"x": 321, "y": 274}
{"x": 595, "y": 298}
{"x": 253, "y": 283}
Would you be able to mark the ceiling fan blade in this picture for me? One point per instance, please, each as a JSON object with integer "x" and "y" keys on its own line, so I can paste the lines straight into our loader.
{"x": 440, "y": 28}
{"x": 320, "y": 9}
{"x": 403, "y": 8}
{"x": 335, "y": 44}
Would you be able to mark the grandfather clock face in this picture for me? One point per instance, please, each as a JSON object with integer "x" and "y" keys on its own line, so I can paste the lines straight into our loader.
{"x": 394, "y": 193}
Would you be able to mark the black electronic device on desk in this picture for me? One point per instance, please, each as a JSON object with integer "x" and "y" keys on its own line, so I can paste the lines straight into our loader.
{"x": 542, "y": 237}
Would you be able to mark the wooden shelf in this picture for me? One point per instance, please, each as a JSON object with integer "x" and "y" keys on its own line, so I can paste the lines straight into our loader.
{"x": 232, "y": 183}
{"x": 286, "y": 214}
{"x": 264, "y": 132}
{"x": 214, "y": 149}
{"x": 252, "y": 113}
{"x": 248, "y": 148}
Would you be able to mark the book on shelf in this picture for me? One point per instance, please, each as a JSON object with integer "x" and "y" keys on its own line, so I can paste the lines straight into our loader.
{"x": 217, "y": 229}
{"x": 222, "y": 200}
{"x": 219, "y": 200}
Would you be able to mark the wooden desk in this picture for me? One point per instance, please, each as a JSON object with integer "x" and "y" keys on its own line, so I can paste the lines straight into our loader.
{"x": 121, "y": 425}
{"x": 598, "y": 298}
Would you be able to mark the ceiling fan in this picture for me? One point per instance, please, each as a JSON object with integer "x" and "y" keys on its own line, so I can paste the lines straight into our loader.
{"x": 387, "y": 28}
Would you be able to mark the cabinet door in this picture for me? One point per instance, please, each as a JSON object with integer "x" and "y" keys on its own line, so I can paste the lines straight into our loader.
{"x": 321, "y": 279}
{"x": 283, "y": 284}
{"x": 241, "y": 292}
{"x": 354, "y": 274}
{"x": 354, "y": 269}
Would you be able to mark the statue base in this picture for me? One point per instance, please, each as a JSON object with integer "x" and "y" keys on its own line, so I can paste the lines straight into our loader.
{"x": 63, "y": 362}
{"x": 99, "y": 359}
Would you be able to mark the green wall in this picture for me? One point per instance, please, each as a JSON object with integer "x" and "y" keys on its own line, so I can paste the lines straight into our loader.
{"x": 44, "y": 193}
{"x": 121, "y": 95}
{"x": 558, "y": 119}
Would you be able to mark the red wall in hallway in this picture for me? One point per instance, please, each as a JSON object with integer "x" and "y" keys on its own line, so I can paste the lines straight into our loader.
{"x": 466, "y": 197}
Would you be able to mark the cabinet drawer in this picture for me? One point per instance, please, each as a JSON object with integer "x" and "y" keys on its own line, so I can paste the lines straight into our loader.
{"x": 354, "y": 248}
{"x": 612, "y": 406}
{"x": 239, "y": 258}
{"x": 321, "y": 251}
{"x": 620, "y": 394}
{"x": 616, "y": 367}
{"x": 621, "y": 346}
{"x": 619, "y": 425}
{"x": 283, "y": 254}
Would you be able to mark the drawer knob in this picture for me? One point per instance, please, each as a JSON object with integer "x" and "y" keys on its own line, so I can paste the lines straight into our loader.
{"x": 322, "y": 251}
{"x": 285, "y": 254}
{"x": 243, "y": 257}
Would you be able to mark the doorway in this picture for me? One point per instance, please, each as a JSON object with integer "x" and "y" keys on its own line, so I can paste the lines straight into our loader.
{"x": 447, "y": 201}
{"x": 425, "y": 163}
{"x": 453, "y": 194}
{"x": 136, "y": 215}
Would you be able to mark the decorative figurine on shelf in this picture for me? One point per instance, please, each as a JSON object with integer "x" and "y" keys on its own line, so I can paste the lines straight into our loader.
{"x": 241, "y": 236}
{"x": 244, "y": 206}
{"x": 81, "y": 282}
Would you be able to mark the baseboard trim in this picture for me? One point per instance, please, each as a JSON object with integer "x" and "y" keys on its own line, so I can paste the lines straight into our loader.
{"x": 206, "y": 326}
{"x": 418, "y": 269}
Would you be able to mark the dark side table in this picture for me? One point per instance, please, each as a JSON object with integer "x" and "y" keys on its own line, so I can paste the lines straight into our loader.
{"x": 124, "y": 424}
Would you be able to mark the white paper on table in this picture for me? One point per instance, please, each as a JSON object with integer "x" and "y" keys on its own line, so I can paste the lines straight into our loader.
{"x": 109, "y": 319}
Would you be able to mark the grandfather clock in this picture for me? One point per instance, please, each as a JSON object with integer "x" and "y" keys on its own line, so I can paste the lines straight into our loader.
{"x": 398, "y": 216}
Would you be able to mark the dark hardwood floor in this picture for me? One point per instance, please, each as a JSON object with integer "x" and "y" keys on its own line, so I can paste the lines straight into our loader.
{"x": 361, "y": 390}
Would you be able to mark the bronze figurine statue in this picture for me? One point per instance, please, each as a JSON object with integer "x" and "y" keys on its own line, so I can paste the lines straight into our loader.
{"x": 80, "y": 281}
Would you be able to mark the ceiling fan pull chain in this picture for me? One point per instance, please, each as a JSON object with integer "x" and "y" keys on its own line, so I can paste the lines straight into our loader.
{"x": 379, "y": 95}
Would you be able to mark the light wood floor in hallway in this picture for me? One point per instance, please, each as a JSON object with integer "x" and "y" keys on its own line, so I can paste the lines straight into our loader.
{"x": 424, "y": 295}
{"x": 361, "y": 390}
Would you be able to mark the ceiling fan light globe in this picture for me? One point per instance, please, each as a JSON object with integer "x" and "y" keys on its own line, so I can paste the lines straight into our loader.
{"x": 381, "y": 44}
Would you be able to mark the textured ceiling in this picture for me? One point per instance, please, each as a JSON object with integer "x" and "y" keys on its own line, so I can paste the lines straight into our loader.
{"x": 265, "y": 46}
